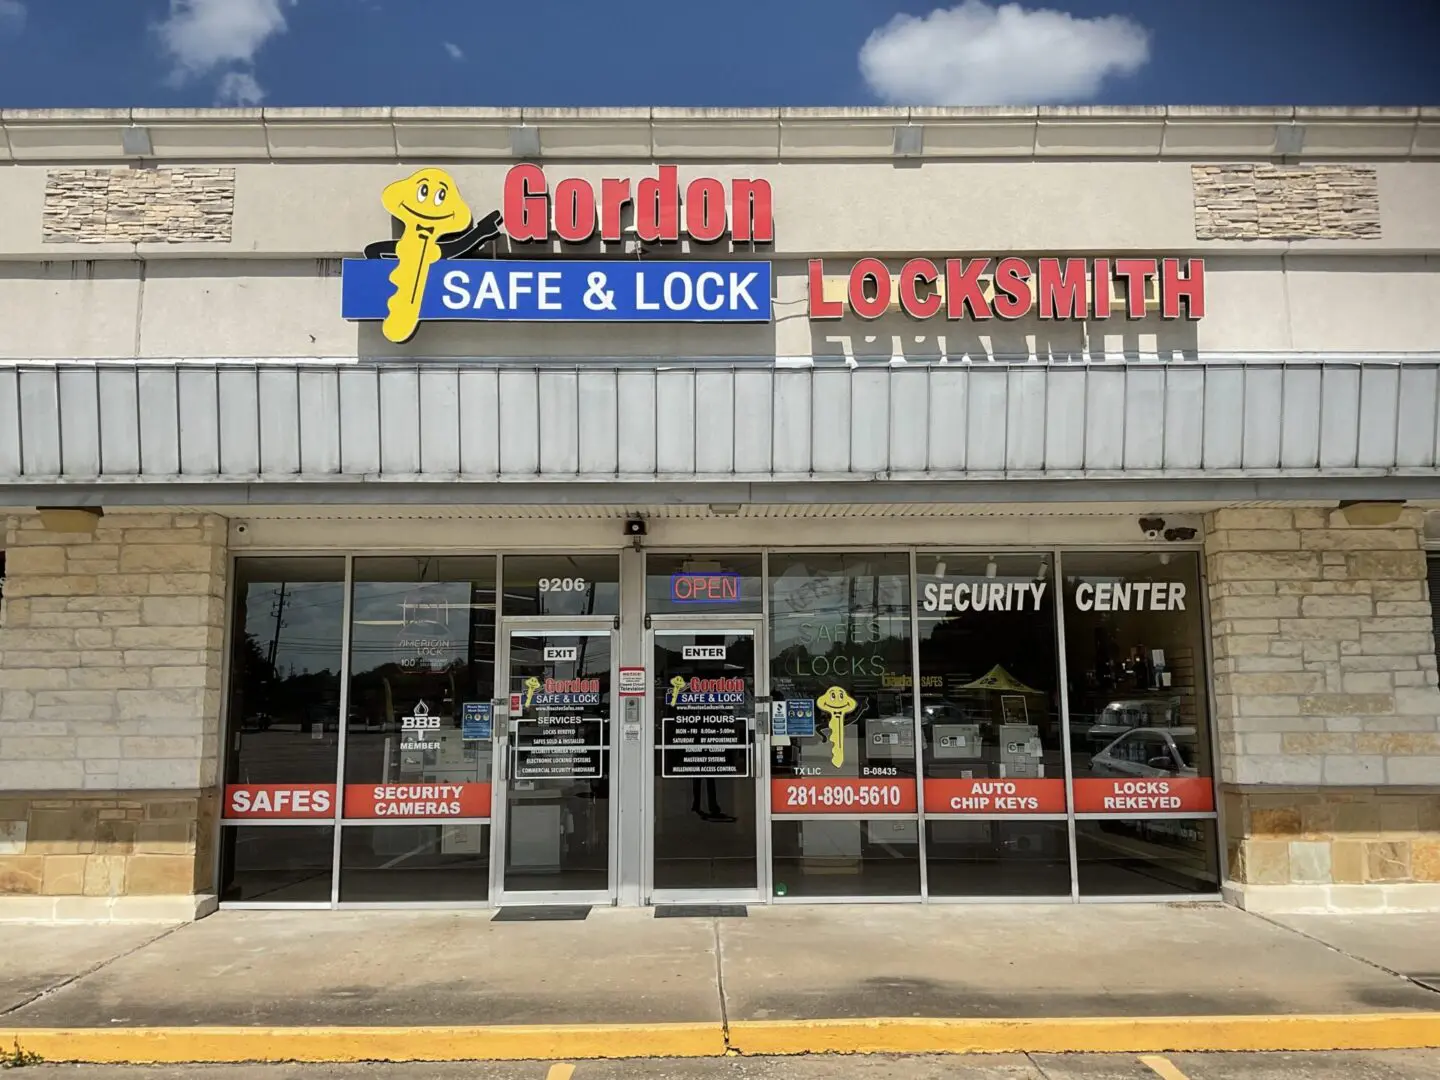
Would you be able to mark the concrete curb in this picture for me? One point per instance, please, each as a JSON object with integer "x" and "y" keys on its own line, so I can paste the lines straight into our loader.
{"x": 1098, "y": 1034}
{"x": 1126, "y": 1034}
{"x": 177, "y": 1045}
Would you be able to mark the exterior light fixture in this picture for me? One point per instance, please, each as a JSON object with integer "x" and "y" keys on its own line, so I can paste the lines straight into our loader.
{"x": 135, "y": 141}
{"x": 70, "y": 519}
{"x": 525, "y": 141}
{"x": 725, "y": 509}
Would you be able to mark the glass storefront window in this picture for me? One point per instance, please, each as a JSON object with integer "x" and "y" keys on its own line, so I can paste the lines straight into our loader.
{"x": 991, "y": 732}
{"x": 562, "y": 585}
{"x": 1009, "y": 857}
{"x": 400, "y": 863}
{"x": 846, "y": 857}
{"x": 285, "y": 864}
{"x": 703, "y": 584}
{"x": 1134, "y": 653}
{"x": 422, "y": 667}
{"x": 843, "y": 741}
{"x": 1147, "y": 857}
{"x": 842, "y": 737}
{"x": 284, "y": 709}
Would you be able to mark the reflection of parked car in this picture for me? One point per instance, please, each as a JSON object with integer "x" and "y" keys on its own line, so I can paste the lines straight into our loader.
{"x": 1119, "y": 717}
{"x": 1148, "y": 752}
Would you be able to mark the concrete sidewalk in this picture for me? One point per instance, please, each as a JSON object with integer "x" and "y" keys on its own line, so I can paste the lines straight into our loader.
{"x": 400, "y": 969}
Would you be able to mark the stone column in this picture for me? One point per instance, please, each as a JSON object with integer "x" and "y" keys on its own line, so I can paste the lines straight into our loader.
{"x": 110, "y": 668}
{"x": 1328, "y": 709}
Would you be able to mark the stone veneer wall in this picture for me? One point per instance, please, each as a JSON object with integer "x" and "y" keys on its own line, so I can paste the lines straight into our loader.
{"x": 1328, "y": 708}
{"x": 182, "y": 205}
{"x": 110, "y": 668}
{"x": 1286, "y": 202}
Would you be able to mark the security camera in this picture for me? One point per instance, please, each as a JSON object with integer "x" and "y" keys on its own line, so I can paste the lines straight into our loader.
{"x": 1152, "y": 527}
{"x": 1180, "y": 532}
{"x": 635, "y": 527}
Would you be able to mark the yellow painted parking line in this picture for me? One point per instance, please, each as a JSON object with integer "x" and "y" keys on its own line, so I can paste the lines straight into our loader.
{"x": 1163, "y": 1068}
{"x": 563, "y": 1071}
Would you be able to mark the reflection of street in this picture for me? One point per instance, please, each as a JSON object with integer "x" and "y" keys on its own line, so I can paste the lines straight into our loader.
{"x": 1146, "y": 856}
{"x": 290, "y": 864}
{"x": 285, "y": 754}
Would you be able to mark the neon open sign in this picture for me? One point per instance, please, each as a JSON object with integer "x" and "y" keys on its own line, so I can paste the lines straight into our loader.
{"x": 722, "y": 587}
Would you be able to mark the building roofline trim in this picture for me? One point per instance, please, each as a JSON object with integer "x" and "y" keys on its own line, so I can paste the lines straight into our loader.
{"x": 1175, "y": 132}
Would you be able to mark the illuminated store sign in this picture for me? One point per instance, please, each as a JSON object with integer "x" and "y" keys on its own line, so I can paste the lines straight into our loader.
{"x": 1012, "y": 288}
{"x": 429, "y": 272}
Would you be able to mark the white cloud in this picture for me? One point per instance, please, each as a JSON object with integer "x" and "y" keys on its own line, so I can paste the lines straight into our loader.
{"x": 12, "y": 16}
{"x": 239, "y": 88}
{"x": 456, "y": 53}
{"x": 979, "y": 54}
{"x": 205, "y": 36}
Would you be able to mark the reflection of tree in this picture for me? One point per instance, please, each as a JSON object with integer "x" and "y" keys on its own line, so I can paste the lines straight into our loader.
{"x": 262, "y": 689}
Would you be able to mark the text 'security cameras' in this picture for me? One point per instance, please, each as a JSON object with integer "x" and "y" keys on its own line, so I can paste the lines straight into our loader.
{"x": 1152, "y": 527}
{"x": 635, "y": 527}
{"x": 1180, "y": 532}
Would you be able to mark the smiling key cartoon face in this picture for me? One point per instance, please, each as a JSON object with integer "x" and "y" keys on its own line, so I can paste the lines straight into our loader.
{"x": 677, "y": 686}
{"x": 532, "y": 684}
{"x": 839, "y": 705}
{"x": 428, "y": 204}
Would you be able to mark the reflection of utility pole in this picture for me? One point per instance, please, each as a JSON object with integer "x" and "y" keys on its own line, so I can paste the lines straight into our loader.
{"x": 279, "y": 612}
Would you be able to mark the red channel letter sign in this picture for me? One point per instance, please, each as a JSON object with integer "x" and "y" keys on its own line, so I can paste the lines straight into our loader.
{"x": 1052, "y": 288}
{"x": 574, "y": 212}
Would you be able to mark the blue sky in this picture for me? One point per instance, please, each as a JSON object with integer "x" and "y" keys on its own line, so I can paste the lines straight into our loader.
{"x": 74, "y": 53}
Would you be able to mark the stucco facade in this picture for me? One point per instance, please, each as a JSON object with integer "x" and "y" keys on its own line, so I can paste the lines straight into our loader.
{"x": 173, "y": 353}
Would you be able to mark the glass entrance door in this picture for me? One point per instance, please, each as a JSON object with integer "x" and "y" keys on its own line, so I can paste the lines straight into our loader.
{"x": 555, "y": 821}
{"x": 705, "y": 809}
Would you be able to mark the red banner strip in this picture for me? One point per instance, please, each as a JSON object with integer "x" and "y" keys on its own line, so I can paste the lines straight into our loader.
{"x": 1131, "y": 796}
{"x": 842, "y": 795}
{"x": 425, "y": 800}
{"x": 278, "y": 801}
{"x": 969, "y": 796}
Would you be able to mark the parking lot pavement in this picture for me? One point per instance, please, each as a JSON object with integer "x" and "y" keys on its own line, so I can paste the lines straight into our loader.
{"x": 1385, "y": 1065}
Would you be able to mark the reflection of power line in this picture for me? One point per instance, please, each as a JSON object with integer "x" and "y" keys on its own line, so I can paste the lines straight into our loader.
{"x": 279, "y": 612}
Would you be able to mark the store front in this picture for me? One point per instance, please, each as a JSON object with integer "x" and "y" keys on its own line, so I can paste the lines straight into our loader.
{"x": 741, "y": 726}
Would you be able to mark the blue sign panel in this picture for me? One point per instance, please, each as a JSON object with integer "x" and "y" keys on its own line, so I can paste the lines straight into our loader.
{"x": 563, "y": 291}
{"x": 800, "y": 718}
{"x": 475, "y": 720}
